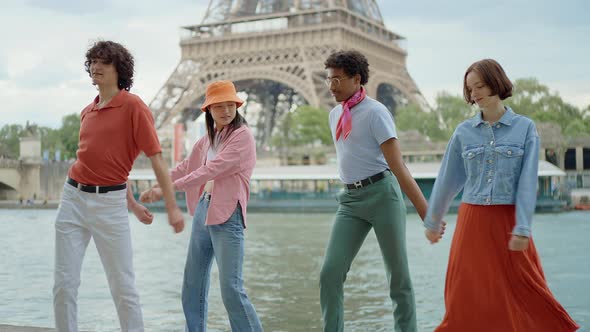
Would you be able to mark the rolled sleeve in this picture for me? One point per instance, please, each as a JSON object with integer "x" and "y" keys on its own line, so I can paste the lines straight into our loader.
{"x": 227, "y": 162}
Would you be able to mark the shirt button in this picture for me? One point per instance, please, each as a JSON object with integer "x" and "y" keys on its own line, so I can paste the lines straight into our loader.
{"x": 470, "y": 154}
{"x": 487, "y": 200}
{"x": 491, "y": 142}
{"x": 489, "y": 180}
{"x": 490, "y": 161}
{"x": 509, "y": 152}
{"x": 497, "y": 126}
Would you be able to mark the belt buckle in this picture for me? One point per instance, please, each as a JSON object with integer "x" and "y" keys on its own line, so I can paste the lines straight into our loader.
{"x": 358, "y": 184}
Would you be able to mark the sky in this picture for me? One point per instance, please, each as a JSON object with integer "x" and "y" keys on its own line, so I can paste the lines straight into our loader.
{"x": 43, "y": 42}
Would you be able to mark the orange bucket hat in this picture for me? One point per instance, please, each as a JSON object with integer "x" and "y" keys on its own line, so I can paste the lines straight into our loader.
{"x": 220, "y": 91}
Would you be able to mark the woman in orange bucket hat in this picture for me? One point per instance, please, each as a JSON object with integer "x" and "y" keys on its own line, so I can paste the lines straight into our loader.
{"x": 216, "y": 179}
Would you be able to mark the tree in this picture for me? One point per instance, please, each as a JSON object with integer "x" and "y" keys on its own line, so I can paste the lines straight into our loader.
{"x": 10, "y": 140}
{"x": 50, "y": 139}
{"x": 306, "y": 126}
{"x": 64, "y": 138}
{"x": 530, "y": 98}
{"x": 439, "y": 123}
{"x": 69, "y": 134}
{"x": 451, "y": 111}
{"x": 533, "y": 99}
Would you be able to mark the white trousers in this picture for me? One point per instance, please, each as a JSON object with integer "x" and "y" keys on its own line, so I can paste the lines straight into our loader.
{"x": 104, "y": 217}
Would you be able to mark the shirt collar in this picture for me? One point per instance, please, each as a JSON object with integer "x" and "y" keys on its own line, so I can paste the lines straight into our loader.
{"x": 506, "y": 119}
{"x": 117, "y": 101}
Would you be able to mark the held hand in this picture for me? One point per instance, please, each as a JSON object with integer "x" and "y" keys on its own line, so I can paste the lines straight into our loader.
{"x": 433, "y": 235}
{"x": 146, "y": 196}
{"x": 142, "y": 214}
{"x": 518, "y": 243}
{"x": 151, "y": 195}
{"x": 176, "y": 219}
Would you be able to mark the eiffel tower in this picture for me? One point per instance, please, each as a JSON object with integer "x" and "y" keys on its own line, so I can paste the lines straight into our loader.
{"x": 274, "y": 50}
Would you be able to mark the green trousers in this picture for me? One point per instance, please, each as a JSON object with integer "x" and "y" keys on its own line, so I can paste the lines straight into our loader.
{"x": 379, "y": 206}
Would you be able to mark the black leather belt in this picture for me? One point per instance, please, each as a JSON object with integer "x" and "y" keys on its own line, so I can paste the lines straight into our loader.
{"x": 95, "y": 189}
{"x": 367, "y": 181}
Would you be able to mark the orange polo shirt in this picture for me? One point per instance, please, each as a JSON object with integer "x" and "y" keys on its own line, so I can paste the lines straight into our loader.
{"x": 111, "y": 138}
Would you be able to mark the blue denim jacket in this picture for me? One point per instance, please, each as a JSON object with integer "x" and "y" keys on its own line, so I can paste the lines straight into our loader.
{"x": 493, "y": 164}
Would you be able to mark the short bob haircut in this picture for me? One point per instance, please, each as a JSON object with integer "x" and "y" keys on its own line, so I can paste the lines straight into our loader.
{"x": 492, "y": 75}
{"x": 114, "y": 53}
{"x": 351, "y": 62}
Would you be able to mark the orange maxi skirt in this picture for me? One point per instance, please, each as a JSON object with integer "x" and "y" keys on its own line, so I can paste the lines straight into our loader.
{"x": 490, "y": 288}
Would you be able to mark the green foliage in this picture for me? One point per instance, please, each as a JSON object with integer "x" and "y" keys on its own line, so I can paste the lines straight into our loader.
{"x": 64, "y": 138}
{"x": 530, "y": 98}
{"x": 439, "y": 123}
{"x": 306, "y": 126}
{"x": 10, "y": 140}
{"x": 69, "y": 134}
{"x": 533, "y": 99}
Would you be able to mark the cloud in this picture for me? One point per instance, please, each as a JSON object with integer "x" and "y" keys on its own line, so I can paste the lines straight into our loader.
{"x": 42, "y": 75}
{"x": 444, "y": 39}
{"x": 70, "y": 6}
{"x": 3, "y": 71}
{"x": 489, "y": 15}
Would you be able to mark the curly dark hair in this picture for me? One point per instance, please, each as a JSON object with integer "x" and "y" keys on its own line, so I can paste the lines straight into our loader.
{"x": 351, "y": 61}
{"x": 116, "y": 54}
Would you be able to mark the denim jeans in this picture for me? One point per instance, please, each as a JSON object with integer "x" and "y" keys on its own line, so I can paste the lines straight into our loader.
{"x": 225, "y": 243}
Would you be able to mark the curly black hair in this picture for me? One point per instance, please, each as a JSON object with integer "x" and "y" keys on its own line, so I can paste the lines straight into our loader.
{"x": 351, "y": 61}
{"x": 116, "y": 54}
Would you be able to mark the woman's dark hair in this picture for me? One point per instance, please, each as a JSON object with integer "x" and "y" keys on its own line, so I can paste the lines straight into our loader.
{"x": 118, "y": 55}
{"x": 351, "y": 62}
{"x": 493, "y": 76}
{"x": 236, "y": 123}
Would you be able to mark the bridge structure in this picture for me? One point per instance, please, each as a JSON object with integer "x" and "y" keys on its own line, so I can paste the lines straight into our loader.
{"x": 274, "y": 51}
{"x": 21, "y": 178}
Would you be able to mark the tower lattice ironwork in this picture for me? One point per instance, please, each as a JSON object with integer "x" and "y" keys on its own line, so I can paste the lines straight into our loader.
{"x": 274, "y": 51}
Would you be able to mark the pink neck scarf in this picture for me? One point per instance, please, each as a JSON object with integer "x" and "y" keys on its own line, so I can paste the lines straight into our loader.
{"x": 344, "y": 126}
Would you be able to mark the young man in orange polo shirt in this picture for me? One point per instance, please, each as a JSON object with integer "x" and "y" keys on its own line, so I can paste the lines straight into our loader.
{"x": 114, "y": 129}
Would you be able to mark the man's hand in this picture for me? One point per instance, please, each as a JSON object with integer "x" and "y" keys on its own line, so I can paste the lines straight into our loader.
{"x": 166, "y": 190}
{"x": 518, "y": 243}
{"x": 434, "y": 236}
{"x": 142, "y": 213}
{"x": 151, "y": 195}
{"x": 176, "y": 219}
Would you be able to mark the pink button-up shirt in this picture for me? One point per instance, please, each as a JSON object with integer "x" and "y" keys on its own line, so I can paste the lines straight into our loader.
{"x": 231, "y": 169}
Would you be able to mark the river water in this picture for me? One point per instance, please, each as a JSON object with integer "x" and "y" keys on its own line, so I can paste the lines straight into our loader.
{"x": 284, "y": 253}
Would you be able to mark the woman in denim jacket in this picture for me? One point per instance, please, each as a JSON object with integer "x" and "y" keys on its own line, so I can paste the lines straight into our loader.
{"x": 494, "y": 280}
{"x": 216, "y": 178}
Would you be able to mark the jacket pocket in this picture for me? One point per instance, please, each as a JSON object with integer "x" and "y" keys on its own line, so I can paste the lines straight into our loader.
{"x": 472, "y": 159}
{"x": 509, "y": 159}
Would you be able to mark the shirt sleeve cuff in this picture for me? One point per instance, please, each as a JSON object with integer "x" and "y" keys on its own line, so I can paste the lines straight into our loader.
{"x": 178, "y": 184}
{"x": 522, "y": 231}
{"x": 430, "y": 224}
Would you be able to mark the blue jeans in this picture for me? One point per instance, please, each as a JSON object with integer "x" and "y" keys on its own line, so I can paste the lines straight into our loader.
{"x": 225, "y": 242}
